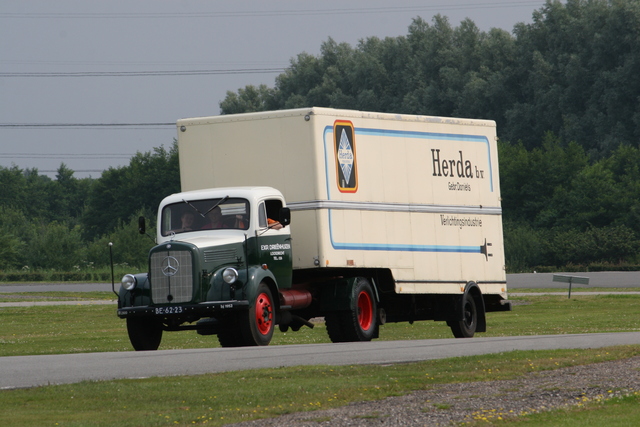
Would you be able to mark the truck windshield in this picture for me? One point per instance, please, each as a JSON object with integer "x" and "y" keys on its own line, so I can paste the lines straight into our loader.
{"x": 194, "y": 215}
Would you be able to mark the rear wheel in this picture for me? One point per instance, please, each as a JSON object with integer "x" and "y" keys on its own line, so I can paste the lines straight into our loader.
{"x": 466, "y": 327}
{"x": 257, "y": 328}
{"x": 144, "y": 333}
{"x": 359, "y": 323}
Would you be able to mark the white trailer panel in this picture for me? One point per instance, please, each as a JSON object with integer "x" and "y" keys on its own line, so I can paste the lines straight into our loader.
{"x": 418, "y": 195}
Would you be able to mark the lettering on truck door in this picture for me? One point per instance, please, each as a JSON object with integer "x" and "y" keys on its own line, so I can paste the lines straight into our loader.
{"x": 274, "y": 242}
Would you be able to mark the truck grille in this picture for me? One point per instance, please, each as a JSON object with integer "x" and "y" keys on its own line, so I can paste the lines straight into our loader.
{"x": 170, "y": 277}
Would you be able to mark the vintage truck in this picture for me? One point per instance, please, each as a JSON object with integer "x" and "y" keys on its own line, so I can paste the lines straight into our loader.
{"x": 359, "y": 218}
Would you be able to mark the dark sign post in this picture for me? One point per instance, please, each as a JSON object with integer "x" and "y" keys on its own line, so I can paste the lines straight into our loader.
{"x": 570, "y": 280}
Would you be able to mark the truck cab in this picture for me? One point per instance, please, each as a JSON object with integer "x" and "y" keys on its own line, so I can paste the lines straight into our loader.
{"x": 220, "y": 259}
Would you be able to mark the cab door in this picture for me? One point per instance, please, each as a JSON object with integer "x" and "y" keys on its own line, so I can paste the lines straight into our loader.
{"x": 274, "y": 242}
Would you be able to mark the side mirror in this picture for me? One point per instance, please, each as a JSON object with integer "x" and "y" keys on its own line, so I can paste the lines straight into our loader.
{"x": 142, "y": 228}
{"x": 285, "y": 216}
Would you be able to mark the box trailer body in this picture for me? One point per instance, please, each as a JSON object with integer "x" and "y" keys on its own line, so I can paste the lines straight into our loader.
{"x": 387, "y": 218}
{"x": 421, "y": 195}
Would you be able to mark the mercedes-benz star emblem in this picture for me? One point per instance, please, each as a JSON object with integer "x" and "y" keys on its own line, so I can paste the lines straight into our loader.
{"x": 170, "y": 266}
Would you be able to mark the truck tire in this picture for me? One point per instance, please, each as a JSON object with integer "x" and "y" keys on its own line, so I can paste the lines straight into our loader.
{"x": 466, "y": 327}
{"x": 360, "y": 322}
{"x": 257, "y": 328}
{"x": 144, "y": 333}
{"x": 230, "y": 334}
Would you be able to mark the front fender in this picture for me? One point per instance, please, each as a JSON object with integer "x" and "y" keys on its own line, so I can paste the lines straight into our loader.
{"x": 140, "y": 295}
{"x": 258, "y": 275}
{"x": 245, "y": 288}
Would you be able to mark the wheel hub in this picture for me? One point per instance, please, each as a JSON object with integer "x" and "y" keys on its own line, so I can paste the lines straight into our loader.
{"x": 365, "y": 311}
{"x": 264, "y": 314}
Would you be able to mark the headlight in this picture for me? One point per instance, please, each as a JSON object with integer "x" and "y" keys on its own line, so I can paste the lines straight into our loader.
{"x": 129, "y": 282}
{"x": 230, "y": 275}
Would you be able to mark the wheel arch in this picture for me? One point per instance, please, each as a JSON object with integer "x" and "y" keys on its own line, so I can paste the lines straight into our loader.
{"x": 273, "y": 287}
{"x": 258, "y": 275}
{"x": 140, "y": 295}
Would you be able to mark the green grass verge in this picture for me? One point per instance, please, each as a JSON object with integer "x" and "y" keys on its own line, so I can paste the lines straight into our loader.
{"x": 218, "y": 399}
{"x": 56, "y": 296}
{"x": 96, "y": 328}
{"x": 80, "y": 275}
{"x": 575, "y": 288}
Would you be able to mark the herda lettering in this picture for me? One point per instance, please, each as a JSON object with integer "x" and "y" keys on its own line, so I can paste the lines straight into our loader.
{"x": 460, "y": 167}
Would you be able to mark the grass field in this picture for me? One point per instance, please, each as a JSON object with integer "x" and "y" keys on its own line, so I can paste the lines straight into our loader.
{"x": 95, "y": 328}
{"x": 217, "y": 399}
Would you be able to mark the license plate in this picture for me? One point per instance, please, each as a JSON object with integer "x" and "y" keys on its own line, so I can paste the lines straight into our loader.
{"x": 169, "y": 310}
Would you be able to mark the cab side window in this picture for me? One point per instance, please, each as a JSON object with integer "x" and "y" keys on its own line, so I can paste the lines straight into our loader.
{"x": 273, "y": 209}
{"x": 269, "y": 212}
{"x": 262, "y": 216}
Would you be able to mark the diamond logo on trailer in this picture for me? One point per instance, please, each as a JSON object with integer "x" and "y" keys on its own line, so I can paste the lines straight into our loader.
{"x": 345, "y": 156}
{"x": 345, "y": 151}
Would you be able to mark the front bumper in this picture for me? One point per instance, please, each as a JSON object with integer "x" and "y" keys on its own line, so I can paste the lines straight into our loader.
{"x": 204, "y": 309}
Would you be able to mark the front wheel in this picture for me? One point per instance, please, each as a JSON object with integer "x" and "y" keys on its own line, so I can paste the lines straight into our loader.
{"x": 359, "y": 323}
{"x": 257, "y": 328}
{"x": 466, "y": 327}
{"x": 230, "y": 334}
{"x": 144, "y": 333}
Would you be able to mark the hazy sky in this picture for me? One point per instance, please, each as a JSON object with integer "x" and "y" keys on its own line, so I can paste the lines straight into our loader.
{"x": 70, "y": 62}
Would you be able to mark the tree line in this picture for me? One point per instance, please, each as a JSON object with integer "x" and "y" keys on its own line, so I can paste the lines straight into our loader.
{"x": 564, "y": 91}
{"x": 573, "y": 72}
{"x": 67, "y": 223}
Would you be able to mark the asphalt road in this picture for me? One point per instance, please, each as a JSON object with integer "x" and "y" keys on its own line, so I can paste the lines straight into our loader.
{"x": 30, "y": 371}
{"x": 604, "y": 279}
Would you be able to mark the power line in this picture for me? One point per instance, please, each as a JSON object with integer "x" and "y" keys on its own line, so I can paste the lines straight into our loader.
{"x": 145, "y": 73}
{"x": 74, "y": 171}
{"x": 65, "y": 156}
{"x": 159, "y": 63}
{"x": 87, "y": 125}
{"x": 271, "y": 13}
